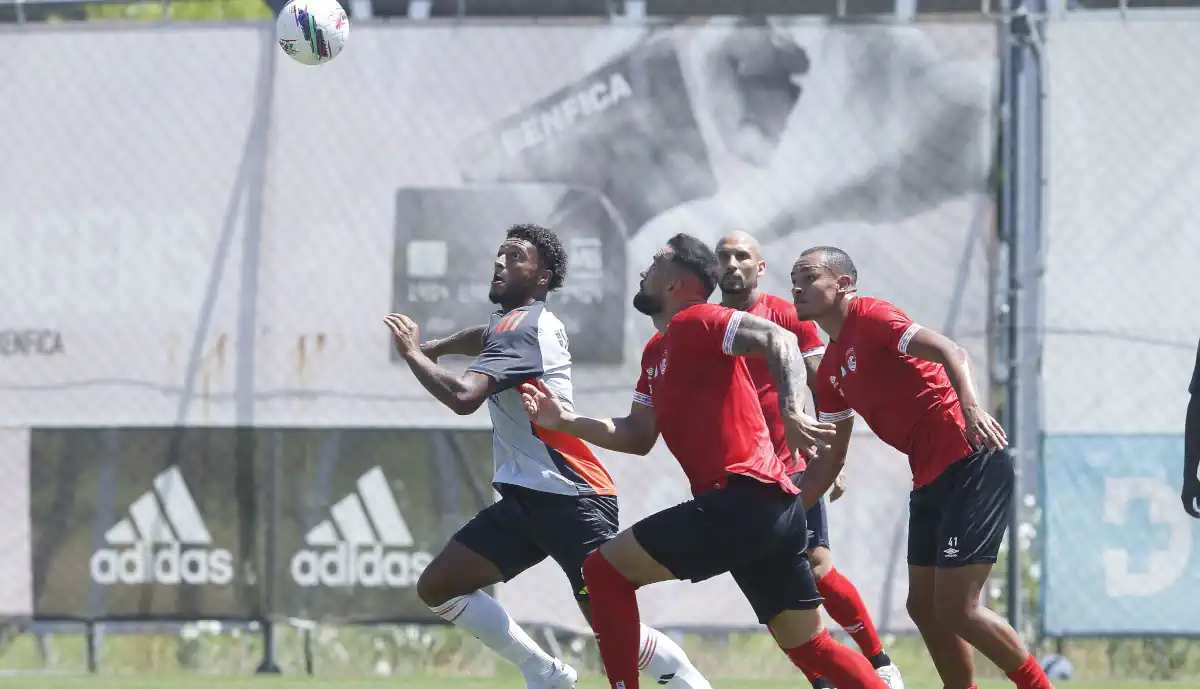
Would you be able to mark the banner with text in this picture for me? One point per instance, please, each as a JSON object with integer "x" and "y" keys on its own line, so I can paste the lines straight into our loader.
{"x": 215, "y": 523}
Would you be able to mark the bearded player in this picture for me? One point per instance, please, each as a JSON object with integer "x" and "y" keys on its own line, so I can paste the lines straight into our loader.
{"x": 915, "y": 389}
{"x": 745, "y": 518}
{"x": 557, "y": 499}
{"x": 740, "y": 262}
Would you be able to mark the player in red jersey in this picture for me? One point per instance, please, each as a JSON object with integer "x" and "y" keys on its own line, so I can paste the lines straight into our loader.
{"x": 914, "y": 388}
{"x": 740, "y": 261}
{"x": 745, "y": 518}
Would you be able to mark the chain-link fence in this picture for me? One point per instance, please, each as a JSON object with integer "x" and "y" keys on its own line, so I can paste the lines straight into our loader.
{"x": 217, "y": 242}
{"x": 1118, "y": 554}
{"x": 223, "y": 253}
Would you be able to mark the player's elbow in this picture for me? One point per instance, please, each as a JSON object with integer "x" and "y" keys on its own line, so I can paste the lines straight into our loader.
{"x": 465, "y": 404}
{"x": 783, "y": 343}
{"x": 642, "y": 445}
{"x": 638, "y": 434}
{"x": 956, "y": 352}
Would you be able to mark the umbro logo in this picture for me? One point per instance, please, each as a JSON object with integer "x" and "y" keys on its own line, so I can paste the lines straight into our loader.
{"x": 163, "y": 541}
{"x": 366, "y": 542}
{"x": 951, "y": 550}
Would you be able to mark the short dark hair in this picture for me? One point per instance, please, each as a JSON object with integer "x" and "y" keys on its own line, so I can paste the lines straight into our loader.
{"x": 697, "y": 258}
{"x": 551, "y": 254}
{"x": 838, "y": 261}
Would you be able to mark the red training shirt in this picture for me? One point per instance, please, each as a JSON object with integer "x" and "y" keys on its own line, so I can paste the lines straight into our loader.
{"x": 781, "y": 312}
{"x": 908, "y": 402}
{"x": 706, "y": 403}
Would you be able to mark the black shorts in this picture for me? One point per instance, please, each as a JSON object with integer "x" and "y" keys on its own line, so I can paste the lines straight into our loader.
{"x": 960, "y": 518}
{"x": 526, "y": 526}
{"x": 753, "y": 530}
{"x": 816, "y": 519}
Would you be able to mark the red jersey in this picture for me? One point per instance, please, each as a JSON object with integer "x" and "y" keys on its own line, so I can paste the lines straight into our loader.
{"x": 781, "y": 312}
{"x": 706, "y": 403}
{"x": 908, "y": 402}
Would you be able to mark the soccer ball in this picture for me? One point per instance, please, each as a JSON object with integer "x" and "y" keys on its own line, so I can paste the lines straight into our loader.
{"x": 312, "y": 32}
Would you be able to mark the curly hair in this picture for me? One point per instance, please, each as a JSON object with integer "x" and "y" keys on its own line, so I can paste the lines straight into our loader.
{"x": 551, "y": 254}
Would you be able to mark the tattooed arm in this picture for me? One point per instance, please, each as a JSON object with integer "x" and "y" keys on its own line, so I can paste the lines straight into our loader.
{"x": 756, "y": 336}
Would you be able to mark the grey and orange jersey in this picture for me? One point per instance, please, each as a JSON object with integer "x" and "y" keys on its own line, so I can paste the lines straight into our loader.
{"x": 525, "y": 344}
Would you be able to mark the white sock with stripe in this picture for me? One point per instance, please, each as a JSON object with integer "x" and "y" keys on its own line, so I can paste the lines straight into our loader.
{"x": 488, "y": 621}
{"x": 663, "y": 659}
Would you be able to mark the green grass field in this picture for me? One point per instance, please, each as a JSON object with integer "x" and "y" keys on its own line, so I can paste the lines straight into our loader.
{"x": 193, "y": 682}
{"x": 444, "y": 658}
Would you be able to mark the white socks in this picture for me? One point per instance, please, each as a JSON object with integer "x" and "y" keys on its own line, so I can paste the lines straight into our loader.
{"x": 488, "y": 621}
{"x": 660, "y": 658}
{"x": 663, "y": 660}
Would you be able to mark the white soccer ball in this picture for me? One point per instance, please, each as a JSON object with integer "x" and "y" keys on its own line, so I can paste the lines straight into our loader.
{"x": 312, "y": 32}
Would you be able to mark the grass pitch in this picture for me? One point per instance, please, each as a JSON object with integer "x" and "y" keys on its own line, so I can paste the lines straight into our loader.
{"x": 201, "y": 682}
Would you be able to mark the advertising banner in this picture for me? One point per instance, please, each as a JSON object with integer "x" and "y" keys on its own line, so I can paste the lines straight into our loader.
{"x": 1121, "y": 555}
{"x": 215, "y": 523}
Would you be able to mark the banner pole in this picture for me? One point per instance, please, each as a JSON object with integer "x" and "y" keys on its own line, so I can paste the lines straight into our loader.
{"x": 270, "y": 664}
{"x": 90, "y": 647}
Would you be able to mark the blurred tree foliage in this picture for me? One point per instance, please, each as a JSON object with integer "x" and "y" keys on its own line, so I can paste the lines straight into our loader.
{"x": 181, "y": 10}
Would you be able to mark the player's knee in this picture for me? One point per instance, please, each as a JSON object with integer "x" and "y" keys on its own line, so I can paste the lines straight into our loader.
{"x": 431, "y": 589}
{"x": 821, "y": 562}
{"x": 954, "y": 614}
{"x": 439, "y": 583}
{"x": 921, "y": 609}
{"x": 594, "y": 567}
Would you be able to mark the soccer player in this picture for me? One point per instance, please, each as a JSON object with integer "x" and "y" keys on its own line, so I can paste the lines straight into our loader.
{"x": 914, "y": 388}
{"x": 1191, "y": 446}
{"x": 557, "y": 499}
{"x": 740, "y": 262}
{"x": 745, "y": 518}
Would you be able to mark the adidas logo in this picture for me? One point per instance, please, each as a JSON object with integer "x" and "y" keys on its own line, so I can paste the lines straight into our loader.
{"x": 366, "y": 543}
{"x": 157, "y": 548}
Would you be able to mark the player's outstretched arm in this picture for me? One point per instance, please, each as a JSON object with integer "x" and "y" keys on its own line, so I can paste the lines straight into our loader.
{"x": 756, "y": 336}
{"x": 634, "y": 434}
{"x": 461, "y": 394}
{"x": 466, "y": 342}
{"x": 982, "y": 429}
{"x": 823, "y": 472}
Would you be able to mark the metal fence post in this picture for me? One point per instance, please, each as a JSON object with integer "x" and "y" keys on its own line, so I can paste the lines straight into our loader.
{"x": 1021, "y": 165}
{"x": 270, "y": 663}
{"x": 248, "y": 334}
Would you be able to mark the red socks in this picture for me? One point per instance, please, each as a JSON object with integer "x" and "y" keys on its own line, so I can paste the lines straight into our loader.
{"x": 846, "y": 608}
{"x": 1030, "y": 675}
{"x": 615, "y": 620}
{"x": 844, "y": 668}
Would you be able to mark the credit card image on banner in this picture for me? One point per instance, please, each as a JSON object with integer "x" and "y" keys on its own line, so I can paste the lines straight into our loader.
{"x": 446, "y": 243}
{"x": 627, "y": 129}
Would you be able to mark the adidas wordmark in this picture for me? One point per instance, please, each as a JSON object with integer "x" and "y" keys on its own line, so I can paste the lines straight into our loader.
{"x": 157, "y": 548}
{"x": 347, "y": 551}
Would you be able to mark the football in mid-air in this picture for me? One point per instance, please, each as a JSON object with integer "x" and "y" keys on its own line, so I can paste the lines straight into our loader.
{"x": 312, "y": 32}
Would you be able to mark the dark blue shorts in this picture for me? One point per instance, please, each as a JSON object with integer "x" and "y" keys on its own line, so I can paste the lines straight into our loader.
{"x": 526, "y": 526}
{"x": 753, "y": 530}
{"x": 960, "y": 518}
{"x": 817, "y": 519}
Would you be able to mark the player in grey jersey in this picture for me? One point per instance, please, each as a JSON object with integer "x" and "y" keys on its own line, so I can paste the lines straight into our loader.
{"x": 557, "y": 499}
